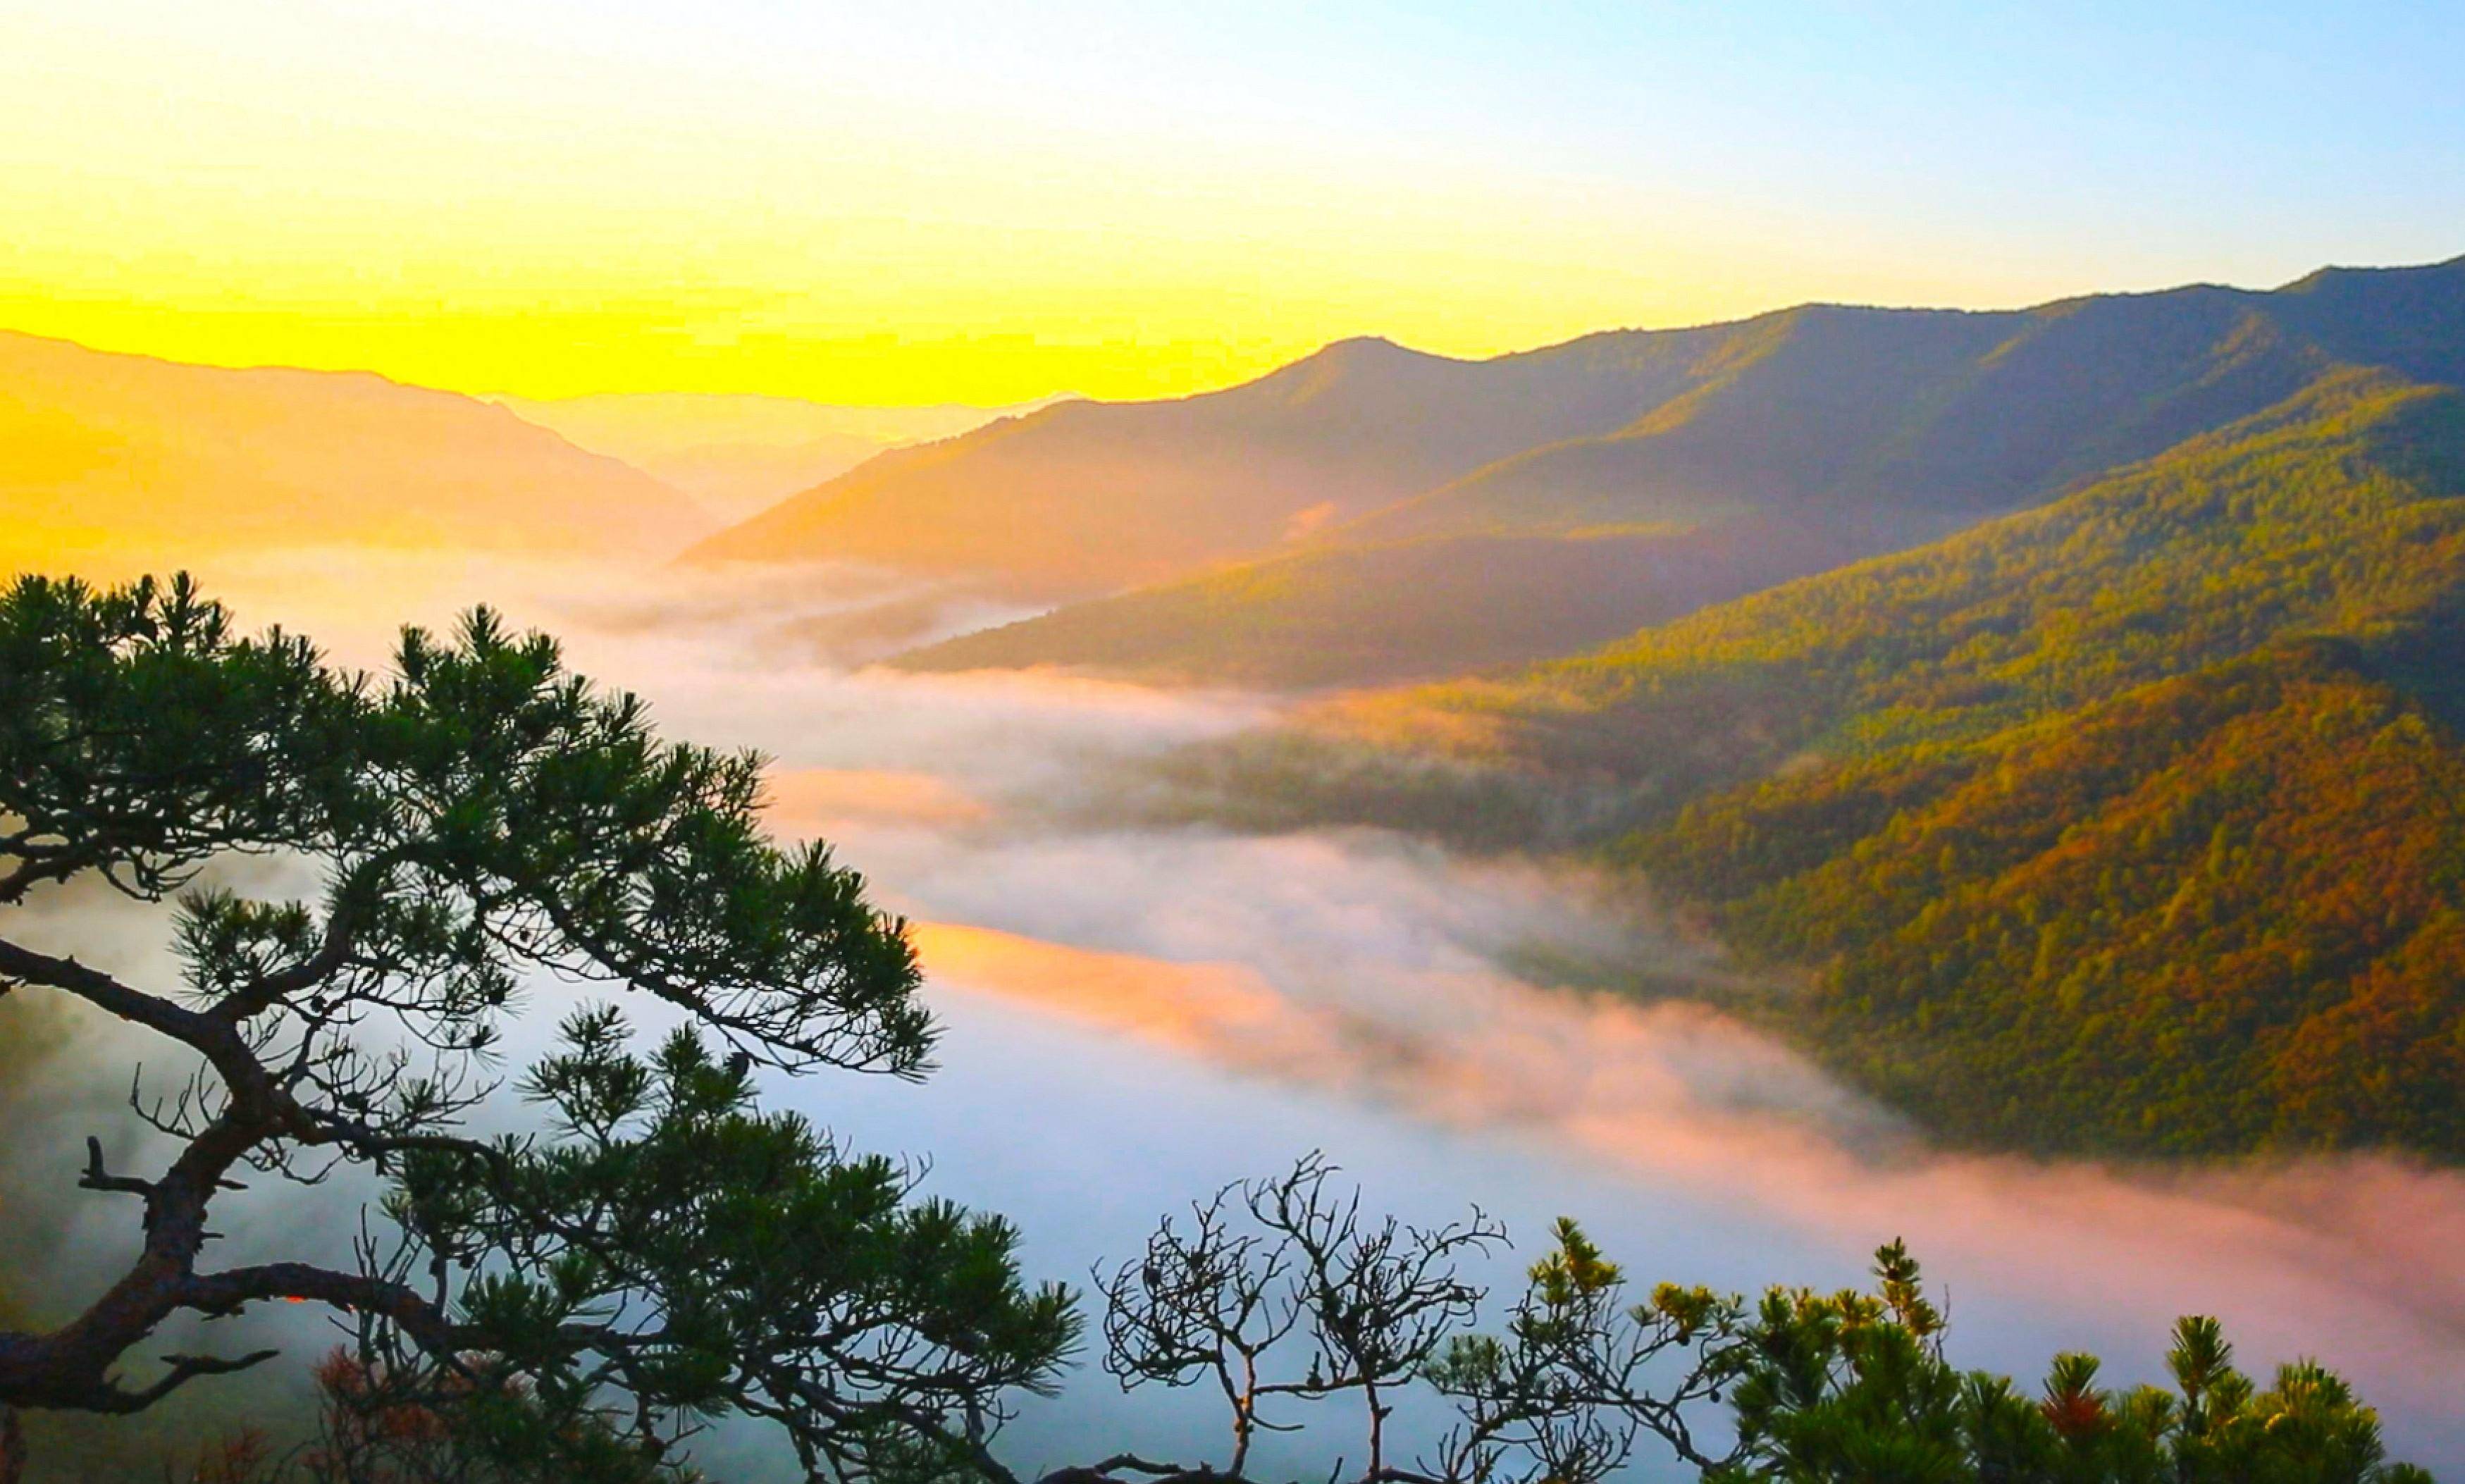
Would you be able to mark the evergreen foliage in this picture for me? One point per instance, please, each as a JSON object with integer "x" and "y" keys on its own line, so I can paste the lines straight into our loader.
{"x": 586, "y": 1296}
{"x": 1847, "y": 1387}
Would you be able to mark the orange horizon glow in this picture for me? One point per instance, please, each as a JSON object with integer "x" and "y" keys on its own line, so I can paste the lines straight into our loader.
{"x": 963, "y": 203}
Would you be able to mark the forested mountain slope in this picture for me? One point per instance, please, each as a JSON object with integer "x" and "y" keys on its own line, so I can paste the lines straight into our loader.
{"x": 112, "y": 462}
{"x": 2134, "y": 822}
{"x": 1794, "y": 442}
{"x": 2222, "y": 912}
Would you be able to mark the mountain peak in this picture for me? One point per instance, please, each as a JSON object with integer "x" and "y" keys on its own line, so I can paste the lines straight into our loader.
{"x": 1362, "y": 346}
{"x": 2335, "y": 275}
{"x": 1361, "y": 351}
{"x": 1370, "y": 366}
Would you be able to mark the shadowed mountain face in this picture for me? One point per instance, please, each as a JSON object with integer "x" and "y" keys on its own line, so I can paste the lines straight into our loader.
{"x": 1850, "y": 412}
{"x": 1336, "y": 614}
{"x": 2341, "y": 510}
{"x": 1741, "y": 455}
{"x": 1085, "y": 497}
{"x": 116, "y": 461}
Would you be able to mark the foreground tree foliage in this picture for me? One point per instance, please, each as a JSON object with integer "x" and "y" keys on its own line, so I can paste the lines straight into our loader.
{"x": 1279, "y": 1294}
{"x": 1303, "y": 1313}
{"x": 1849, "y": 1386}
{"x": 664, "y": 1253}
{"x": 653, "y": 1251}
{"x": 371, "y": 1430}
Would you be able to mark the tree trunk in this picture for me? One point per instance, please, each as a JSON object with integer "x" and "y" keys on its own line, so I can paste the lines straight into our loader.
{"x": 12, "y": 1447}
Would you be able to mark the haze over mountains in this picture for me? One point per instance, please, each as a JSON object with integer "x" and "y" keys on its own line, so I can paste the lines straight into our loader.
{"x": 1669, "y": 469}
{"x": 1086, "y": 496}
{"x": 737, "y": 456}
{"x": 118, "y": 461}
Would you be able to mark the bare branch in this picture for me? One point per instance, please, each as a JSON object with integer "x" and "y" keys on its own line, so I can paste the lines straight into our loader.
{"x": 185, "y": 1368}
{"x": 96, "y": 1178}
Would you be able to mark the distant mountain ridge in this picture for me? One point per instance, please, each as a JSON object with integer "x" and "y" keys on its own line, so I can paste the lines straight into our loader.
{"x": 1828, "y": 405}
{"x": 1085, "y": 496}
{"x": 119, "y": 461}
{"x": 737, "y": 456}
{"x": 1744, "y": 455}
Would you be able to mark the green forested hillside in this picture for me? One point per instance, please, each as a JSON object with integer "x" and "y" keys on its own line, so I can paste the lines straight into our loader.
{"x": 2223, "y": 912}
{"x": 2135, "y": 822}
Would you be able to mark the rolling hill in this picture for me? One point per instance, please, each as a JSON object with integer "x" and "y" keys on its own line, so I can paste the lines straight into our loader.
{"x": 1756, "y": 453}
{"x": 2131, "y": 823}
{"x": 118, "y": 461}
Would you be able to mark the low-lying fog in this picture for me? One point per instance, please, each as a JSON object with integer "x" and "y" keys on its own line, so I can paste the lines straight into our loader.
{"x": 1135, "y": 1015}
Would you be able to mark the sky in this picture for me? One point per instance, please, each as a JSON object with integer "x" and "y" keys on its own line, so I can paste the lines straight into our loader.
{"x": 924, "y": 203}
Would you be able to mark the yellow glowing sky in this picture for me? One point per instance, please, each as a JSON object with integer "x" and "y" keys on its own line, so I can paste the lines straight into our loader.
{"x": 994, "y": 203}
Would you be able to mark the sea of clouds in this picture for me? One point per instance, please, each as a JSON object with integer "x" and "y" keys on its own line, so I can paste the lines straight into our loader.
{"x": 1138, "y": 1014}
